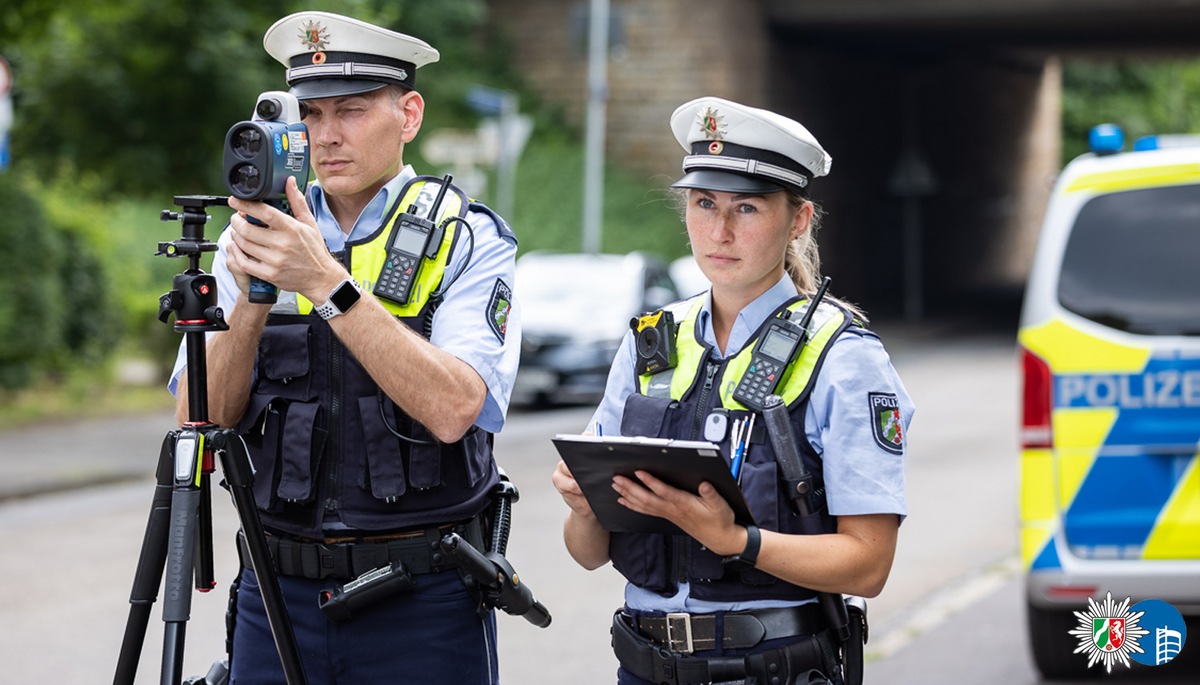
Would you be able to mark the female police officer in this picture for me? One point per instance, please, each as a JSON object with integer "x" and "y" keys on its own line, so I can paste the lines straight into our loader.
{"x": 728, "y": 601}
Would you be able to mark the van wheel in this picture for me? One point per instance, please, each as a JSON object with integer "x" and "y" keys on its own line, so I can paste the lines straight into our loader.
{"x": 1052, "y": 644}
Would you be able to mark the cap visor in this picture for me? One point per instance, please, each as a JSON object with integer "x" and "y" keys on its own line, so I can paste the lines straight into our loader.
{"x": 312, "y": 89}
{"x": 726, "y": 182}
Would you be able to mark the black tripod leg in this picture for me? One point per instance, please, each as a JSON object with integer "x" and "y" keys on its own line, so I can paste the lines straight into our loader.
{"x": 235, "y": 463}
{"x": 205, "y": 578}
{"x": 177, "y": 585}
{"x": 150, "y": 565}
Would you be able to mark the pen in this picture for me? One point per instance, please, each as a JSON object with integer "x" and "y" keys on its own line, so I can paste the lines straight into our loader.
{"x": 736, "y": 447}
{"x": 746, "y": 444}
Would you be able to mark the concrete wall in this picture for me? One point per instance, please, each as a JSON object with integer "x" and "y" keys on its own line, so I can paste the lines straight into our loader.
{"x": 984, "y": 121}
{"x": 670, "y": 51}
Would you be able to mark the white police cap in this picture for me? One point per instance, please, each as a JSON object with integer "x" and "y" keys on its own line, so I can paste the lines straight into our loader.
{"x": 738, "y": 149}
{"x": 329, "y": 55}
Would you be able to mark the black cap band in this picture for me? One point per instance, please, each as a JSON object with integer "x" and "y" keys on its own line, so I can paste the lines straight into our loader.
{"x": 335, "y": 73}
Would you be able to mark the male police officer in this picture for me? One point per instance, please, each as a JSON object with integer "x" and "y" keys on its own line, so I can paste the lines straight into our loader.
{"x": 368, "y": 420}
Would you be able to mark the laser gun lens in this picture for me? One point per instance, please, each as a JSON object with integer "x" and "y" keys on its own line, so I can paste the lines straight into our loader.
{"x": 245, "y": 180}
{"x": 268, "y": 109}
{"x": 247, "y": 143}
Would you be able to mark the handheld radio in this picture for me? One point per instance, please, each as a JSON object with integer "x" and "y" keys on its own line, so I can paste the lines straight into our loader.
{"x": 775, "y": 349}
{"x": 413, "y": 239}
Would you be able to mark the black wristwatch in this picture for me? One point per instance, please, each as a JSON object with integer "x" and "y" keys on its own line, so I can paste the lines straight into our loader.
{"x": 343, "y": 297}
{"x": 749, "y": 556}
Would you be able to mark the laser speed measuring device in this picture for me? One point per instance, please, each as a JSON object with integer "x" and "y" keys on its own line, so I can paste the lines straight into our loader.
{"x": 260, "y": 155}
{"x": 777, "y": 346}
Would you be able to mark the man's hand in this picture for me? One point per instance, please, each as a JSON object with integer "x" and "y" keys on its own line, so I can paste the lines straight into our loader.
{"x": 288, "y": 252}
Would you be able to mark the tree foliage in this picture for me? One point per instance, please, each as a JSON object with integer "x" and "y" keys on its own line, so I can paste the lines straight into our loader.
{"x": 1142, "y": 97}
{"x": 139, "y": 94}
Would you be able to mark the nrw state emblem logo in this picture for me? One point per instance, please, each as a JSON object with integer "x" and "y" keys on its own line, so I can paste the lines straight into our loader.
{"x": 885, "y": 421}
{"x": 1108, "y": 632}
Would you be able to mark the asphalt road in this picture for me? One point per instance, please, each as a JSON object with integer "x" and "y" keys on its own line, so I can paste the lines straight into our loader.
{"x": 952, "y": 611}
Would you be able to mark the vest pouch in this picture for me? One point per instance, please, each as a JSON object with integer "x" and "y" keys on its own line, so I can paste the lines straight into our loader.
{"x": 641, "y": 558}
{"x": 476, "y": 456}
{"x": 284, "y": 361}
{"x": 646, "y": 416}
{"x": 703, "y": 565}
{"x": 425, "y": 461}
{"x": 301, "y": 441}
{"x": 385, "y": 465}
{"x": 262, "y": 444}
{"x": 760, "y": 486}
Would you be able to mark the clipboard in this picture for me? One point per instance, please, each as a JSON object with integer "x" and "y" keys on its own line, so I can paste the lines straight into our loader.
{"x": 684, "y": 464}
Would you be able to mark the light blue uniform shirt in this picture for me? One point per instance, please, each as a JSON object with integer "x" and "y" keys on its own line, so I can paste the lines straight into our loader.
{"x": 460, "y": 324}
{"x": 860, "y": 477}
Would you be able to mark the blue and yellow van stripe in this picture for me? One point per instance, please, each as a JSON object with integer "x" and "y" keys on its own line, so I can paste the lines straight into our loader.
{"x": 1123, "y": 472}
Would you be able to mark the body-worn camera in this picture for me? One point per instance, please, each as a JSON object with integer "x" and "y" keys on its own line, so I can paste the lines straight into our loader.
{"x": 261, "y": 154}
{"x": 654, "y": 341}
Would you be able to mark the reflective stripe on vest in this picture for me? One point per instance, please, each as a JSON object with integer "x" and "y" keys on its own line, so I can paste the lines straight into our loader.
{"x": 369, "y": 256}
{"x": 827, "y": 322}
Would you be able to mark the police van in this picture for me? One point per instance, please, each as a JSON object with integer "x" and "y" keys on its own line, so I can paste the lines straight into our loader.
{"x": 1109, "y": 344}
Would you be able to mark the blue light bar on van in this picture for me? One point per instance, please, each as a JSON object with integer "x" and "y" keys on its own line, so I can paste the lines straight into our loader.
{"x": 1145, "y": 143}
{"x": 1106, "y": 139}
{"x": 1164, "y": 141}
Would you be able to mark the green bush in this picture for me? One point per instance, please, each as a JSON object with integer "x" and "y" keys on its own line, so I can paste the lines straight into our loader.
{"x": 33, "y": 310}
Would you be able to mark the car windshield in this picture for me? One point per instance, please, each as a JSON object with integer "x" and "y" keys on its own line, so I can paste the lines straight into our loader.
{"x": 593, "y": 296}
{"x": 1131, "y": 261}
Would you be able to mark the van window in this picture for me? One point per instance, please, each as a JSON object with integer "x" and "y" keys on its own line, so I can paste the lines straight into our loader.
{"x": 1133, "y": 261}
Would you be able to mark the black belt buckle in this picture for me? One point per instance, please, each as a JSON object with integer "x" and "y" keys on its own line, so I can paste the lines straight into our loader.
{"x": 333, "y": 560}
{"x": 676, "y": 623}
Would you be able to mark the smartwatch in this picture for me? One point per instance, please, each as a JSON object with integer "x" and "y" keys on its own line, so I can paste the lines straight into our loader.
{"x": 749, "y": 556}
{"x": 343, "y": 297}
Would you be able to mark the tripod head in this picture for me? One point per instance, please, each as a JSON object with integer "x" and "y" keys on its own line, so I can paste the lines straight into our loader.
{"x": 193, "y": 298}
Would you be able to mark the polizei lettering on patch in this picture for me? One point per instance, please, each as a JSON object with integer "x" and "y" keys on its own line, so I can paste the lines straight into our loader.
{"x": 885, "y": 421}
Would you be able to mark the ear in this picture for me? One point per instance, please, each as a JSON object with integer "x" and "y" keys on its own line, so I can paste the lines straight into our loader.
{"x": 413, "y": 107}
{"x": 801, "y": 220}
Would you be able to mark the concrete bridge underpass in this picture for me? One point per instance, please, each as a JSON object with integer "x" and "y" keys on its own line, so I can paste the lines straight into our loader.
{"x": 943, "y": 116}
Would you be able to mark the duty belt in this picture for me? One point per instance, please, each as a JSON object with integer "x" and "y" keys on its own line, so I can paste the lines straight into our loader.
{"x": 687, "y": 633}
{"x": 314, "y": 559}
{"x": 640, "y": 656}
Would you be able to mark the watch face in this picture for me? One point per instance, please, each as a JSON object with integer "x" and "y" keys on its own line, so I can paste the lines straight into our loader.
{"x": 345, "y": 296}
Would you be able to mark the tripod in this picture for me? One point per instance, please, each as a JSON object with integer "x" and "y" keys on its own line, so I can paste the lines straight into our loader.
{"x": 178, "y": 535}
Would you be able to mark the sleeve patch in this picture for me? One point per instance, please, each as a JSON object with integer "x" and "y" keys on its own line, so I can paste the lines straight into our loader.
{"x": 885, "y": 421}
{"x": 499, "y": 305}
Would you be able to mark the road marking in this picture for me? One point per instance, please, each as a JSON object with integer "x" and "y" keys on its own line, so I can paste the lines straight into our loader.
{"x": 940, "y": 607}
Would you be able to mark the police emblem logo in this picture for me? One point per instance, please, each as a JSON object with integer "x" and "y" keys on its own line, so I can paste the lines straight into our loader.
{"x": 314, "y": 36}
{"x": 885, "y": 421}
{"x": 499, "y": 307}
{"x": 1109, "y": 632}
{"x": 712, "y": 124}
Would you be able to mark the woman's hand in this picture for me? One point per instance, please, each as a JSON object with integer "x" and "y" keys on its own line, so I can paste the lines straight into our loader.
{"x": 569, "y": 489}
{"x": 586, "y": 539}
{"x": 707, "y": 517}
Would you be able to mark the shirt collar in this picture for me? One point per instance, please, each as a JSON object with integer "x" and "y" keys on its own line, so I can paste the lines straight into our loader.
{"x": 369, "y": 220}
{"x": 749, "y": 319}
